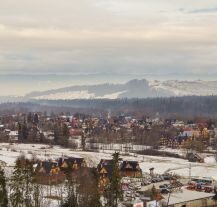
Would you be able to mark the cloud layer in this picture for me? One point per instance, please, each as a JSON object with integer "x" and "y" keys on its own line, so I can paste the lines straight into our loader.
{"x": 89, "y": 36}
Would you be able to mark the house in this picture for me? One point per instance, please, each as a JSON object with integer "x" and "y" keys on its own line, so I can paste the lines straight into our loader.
{"x": 104, "y": 170}
{"x": 187, "y": 198}
{"x": 75, "y": 132}
{"x": 48, "y": 135}
{"x": 178, "y": 124}
{"x": 130, "y": 169}
{"x": 74, "y": 165}
{"x": 163, "y": 141}
{"x": 194, "y": 157}
{"x": 13, "y": 136}
{"x": 189, "y": 133}
{"x": 2, "y": 127}
{"x": 48, "y": 173}
{"x": 173, "y": 143}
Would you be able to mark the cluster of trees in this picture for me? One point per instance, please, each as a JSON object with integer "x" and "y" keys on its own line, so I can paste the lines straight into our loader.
{"x": 183, "y": 106}
{"x": 85, "y": 191}
{"x": 19, "y": 190}
{"x": 22, "y": 190}
{"x": 61, "y": 134}
{"x": 28, "y": 128}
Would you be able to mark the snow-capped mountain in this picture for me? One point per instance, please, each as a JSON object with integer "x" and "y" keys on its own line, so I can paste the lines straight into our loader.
{"x": 186, "y": 88}
{"x": 132, "y": 89}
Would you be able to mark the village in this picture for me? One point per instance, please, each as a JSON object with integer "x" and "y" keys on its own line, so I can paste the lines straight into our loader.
{"x": 162, "y": 161}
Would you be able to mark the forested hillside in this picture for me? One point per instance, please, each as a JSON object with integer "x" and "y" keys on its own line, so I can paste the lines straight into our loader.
{"x": 183, "y": 106}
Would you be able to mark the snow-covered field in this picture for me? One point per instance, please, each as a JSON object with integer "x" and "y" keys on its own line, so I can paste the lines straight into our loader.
{"x": 183, "y": 88}
{"x": 9, "y": 153}
{"x": 79, "y": 95}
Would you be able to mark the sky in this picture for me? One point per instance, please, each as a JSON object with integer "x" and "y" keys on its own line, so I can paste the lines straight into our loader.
{"x": 134, "y": 37}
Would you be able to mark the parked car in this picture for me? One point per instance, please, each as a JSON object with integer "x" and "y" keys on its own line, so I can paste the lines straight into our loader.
{"x": 163, "y": 186}
{"x": 164, "y": 191}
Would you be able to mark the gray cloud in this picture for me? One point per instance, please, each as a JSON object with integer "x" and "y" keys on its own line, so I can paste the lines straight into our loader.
{"x": 204, "y": 10}
{"x": 96, "y": 36}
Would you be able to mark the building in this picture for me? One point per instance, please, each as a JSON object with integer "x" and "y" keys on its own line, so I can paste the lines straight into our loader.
{"x": 104, "y": 170}
{"x": 131, "y": 169}
{"x": 72, "y": 164}
{"x": 195, "y": 157}
{"x": 13, "y": 136}
{"x": 48, "y": 173}
{"x": 187, "y": 198}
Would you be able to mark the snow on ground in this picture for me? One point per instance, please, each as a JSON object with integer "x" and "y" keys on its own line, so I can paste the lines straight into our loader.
{"x": 9, "y": 153}
{"x": 181, "y": 152}
{"x": 180, "y": 88}
{"x": 210, "y": 160}
{"x": 67, "y": 95}
{"x": 85, "y": 94}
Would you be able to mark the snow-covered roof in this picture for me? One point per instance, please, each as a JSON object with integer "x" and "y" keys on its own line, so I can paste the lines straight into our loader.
{"x": 186, "y": 196}
{"x": 13, "y": 133}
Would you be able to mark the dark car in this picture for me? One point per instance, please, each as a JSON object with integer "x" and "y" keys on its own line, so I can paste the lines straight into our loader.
{"x": 164, "y": 191}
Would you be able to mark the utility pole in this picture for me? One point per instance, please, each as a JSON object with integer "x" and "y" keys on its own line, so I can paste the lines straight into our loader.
{"x": 189, "y": 171}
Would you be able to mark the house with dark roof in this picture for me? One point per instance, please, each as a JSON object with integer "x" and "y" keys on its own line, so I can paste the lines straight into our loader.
{"x": 195, "y": 157}
{"x": 48, "y": 173}
{"x": 72, "y": 162}
{"x": 75, "y": 166}
{"x": 104, "y": 170}
{"x": 131, "y": 169}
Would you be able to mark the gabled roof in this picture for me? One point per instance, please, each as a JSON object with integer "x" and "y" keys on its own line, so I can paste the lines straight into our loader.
{"x": 106, "y": 165}
{"x": 130, "y": 165}
{"x": 45, "y": 166}
{"x": 71, "y": 161}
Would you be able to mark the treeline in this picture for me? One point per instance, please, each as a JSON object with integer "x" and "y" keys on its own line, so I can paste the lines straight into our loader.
{"x": 184, "y": 106}
{"x": 21, "y": 189}
{"x": 174, "y": 106}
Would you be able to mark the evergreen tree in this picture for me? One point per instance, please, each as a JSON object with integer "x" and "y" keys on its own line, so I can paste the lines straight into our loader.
{"x": 17, "y": 186}
{"x": 83, "y": 142}
{"x": 153, "y": 193}
{"x": 36, "y": 119}
{"x": 71, "y": 199}
{"x": 24, "y": 130}
{"x": 21, "y": 184}
{"x": 36, "y": 195}
{"x": 34, "y": 133}
{"x": 56, "y": 134}
{"x": 89, "y": 194}
{"x": 3, "y": 190}
{"x": 65, "y": 135}
{"x": 114, "y": 191}
{"x": 29, "y": 117}
{"x": 20, "y": 133}
{"x": 27, "y": 170}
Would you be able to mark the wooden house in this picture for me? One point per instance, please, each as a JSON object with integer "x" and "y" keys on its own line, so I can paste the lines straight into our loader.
{"x": 131, "y": 169}
{"x": 48, "y": 173}
{"x": 76, "y": 166}
{"x": 104, "y": 170}
{"x": 74, "y": 163}
{"x": 194, "y": 157}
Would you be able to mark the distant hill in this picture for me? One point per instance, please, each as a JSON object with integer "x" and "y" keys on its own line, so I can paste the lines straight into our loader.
{"x": 132, "y": 89}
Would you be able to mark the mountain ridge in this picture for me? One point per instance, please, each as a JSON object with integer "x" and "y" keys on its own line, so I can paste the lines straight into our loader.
{"x": 135, "y": 88}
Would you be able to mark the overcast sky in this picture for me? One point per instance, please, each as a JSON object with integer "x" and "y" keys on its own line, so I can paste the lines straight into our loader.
{"x": 96, "y": 36}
